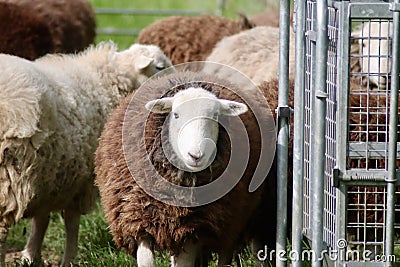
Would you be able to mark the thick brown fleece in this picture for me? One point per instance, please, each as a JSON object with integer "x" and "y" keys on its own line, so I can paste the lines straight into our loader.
{"x": 220, "y": 226}
{"x": 23, "y": 33}
{"x": 72, "y": 23}
{"x": 185, "y": 39}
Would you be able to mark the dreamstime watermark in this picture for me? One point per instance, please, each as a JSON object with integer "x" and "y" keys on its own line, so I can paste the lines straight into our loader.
{"x": 206, "y": 75}
{"x": 341, "y": 253}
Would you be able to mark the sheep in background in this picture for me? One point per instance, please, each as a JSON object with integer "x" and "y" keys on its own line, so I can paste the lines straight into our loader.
{"x": 22, "y": 33}
{"x": 373, "y": 51}
{"x": 267, "y": 18}
{"x": 185, "y": 39}
{"x": 253, "y": 52}
{"x": 52, "y": 112}
{"x": 141, "y": 223}
{"x": 72, "y": 22}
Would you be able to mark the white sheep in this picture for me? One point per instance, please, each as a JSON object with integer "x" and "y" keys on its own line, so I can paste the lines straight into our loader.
{"x": 374, "y": 50}
{"x": 52, "y": 112}
{"x": 254, "y": 52}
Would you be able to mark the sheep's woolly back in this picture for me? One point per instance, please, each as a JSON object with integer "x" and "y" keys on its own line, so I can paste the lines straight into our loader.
{"x": 52, "y": 112}
{"x": 23, "y": 33}
{"x": 185, "y": 39}
{"x": 132, "y": 214}
{"x": 254, "y": 52}
{"x": 72, "y": 22}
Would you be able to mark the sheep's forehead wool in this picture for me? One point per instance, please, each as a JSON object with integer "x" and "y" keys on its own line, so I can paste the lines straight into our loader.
{"x": 152, "y": 51}
{"x": 193, "y": 94}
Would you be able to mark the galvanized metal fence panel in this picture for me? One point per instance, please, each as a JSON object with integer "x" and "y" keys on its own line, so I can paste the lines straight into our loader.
{"x": 360, "y": 155}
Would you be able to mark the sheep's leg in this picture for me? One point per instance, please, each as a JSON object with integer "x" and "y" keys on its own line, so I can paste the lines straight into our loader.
{"x": 71, "y": 219}
{"x": 257, "y": 246}
{"x": 3, "y": 238}
{"x": 145, "y": 254}
{"x": 189, "y": 256}
{"x": 32, "y": 251}
{"x": 225, "y": 258}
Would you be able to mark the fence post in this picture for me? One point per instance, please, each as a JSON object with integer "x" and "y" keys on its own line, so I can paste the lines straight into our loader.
{"x": 220, "y": 7}
{"x": 283, "y": 131}
{"x": 391, "y": 180}
{"x": 318, "y": 175}
{"x": 298, "y": 129}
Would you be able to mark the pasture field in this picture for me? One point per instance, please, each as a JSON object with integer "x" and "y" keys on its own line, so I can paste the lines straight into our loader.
{"x": 232, "y": 7}
{"x": 96, "y": 247}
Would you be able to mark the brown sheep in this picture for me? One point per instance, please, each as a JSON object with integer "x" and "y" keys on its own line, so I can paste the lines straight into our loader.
{"x": 220, "y": 226}
{"x": 185, "y": 39}
{"x": 22, "y": 33}
{"x": 72, "y": 22}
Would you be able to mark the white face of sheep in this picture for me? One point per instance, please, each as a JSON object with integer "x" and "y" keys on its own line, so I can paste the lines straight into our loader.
{"x": 193, "y": 124}
{"x": 375, "y": 50}
{"x": 146, "y": 59}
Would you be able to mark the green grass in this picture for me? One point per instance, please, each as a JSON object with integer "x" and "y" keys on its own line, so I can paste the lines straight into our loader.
{"x": 232, "y": 7}
{"x": 95, "y": 248}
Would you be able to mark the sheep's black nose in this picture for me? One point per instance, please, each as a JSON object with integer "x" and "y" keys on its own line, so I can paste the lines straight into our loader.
{"x": 195, "y": 157}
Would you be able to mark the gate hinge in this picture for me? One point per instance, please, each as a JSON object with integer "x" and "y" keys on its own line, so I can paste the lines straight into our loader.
{"x": 335, "y": 177}
{"x": 283, "y": 111}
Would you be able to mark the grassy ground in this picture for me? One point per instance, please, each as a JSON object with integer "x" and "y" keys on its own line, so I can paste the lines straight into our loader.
{"x": 96, "y": 247}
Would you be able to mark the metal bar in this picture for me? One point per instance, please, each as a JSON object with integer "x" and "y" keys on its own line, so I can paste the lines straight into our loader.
{"x": 283, "y": 130}
{"x": 375, "y": 150}
{"x": 298, "y": 138}
{"x": 364, "y": 175}
{"x": 317, "y": 177}
{"x": 370, "y": 10}
{"x": 118, "y": 31}
{"x": 342, "y": 121}
{"x": 220, "y": 7}
{"x": 392, "y": 178}
{"x": 147, "y": 12}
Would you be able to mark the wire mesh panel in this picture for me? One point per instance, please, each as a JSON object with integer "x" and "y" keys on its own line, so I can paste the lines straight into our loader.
{"x": 368, "y": 132}
{"x": 329, "y": 190}
{"x": 330, "y": 135}
{"x": 310, "y": 54}
{"x": 357, "y": 129}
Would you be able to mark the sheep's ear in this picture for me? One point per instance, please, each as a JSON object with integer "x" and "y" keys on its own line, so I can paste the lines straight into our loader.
{"x": 143, "y": 62}
{"x": 232, "y": 108}
{"x": 163, "y": 105}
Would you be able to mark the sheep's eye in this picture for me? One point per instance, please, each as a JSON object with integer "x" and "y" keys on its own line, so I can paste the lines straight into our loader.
{"x": 176, "y": 115}
{"x": 159, "y": 67}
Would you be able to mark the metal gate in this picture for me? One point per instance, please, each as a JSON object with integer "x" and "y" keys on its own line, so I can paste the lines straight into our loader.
{"x": 346, "y": 133}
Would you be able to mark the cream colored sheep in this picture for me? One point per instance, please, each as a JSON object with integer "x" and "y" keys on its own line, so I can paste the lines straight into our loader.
{"x": 374, "y": 50}
{"x": 254, "y": 52}
{"x": 52, "y": 112}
